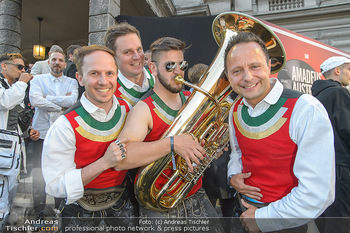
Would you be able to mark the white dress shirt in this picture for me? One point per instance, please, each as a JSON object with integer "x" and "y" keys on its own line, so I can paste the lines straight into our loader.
{"x": 311, "y": 130}
{"x": 48, "y": 95}
{"x": 129, "y": 84}
{"x": 61, "y": 176}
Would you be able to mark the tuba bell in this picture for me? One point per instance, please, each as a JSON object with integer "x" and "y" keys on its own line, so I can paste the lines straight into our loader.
{"x": 203, "y": 115}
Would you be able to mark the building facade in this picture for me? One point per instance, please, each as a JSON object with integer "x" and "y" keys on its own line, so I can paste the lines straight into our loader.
{"x": 85, "y": 21}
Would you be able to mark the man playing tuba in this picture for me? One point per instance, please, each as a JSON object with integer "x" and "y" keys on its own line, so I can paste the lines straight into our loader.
{"x": 151, "y": 117}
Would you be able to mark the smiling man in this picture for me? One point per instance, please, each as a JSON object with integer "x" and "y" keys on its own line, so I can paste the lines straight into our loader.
{"x": 282, "y": 160}
{"x": 148, "y": 121}
{"x": 134, "y": 80}
{"x": 82, "y": 150}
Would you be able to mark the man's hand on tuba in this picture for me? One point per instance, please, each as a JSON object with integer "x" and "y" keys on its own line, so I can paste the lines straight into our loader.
{"x": 189, "y": 149}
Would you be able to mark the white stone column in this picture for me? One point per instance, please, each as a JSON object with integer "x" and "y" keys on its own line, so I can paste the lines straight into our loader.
{"x": 10, "y": 26}
{"x": 101, "y": 17}
{"x": 243, "y": 5}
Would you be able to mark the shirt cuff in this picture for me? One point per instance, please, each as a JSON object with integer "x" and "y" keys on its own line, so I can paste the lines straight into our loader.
{"x": 262, "y": 220}
{"x": 74, "y": 186}
{"x": 266, "y": 223}
{"x": 21, "y": 83}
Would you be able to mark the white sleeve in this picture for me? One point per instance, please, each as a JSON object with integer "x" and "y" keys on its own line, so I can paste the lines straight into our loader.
{"x": 37, "y": 98}
{"x": 66, "y": 101}
{"x": 59, "y": 169}
{"x": 37, "y": 68}
{"x": 235, "y": 163}
{"x": 13, "y": 96}
{"x": 314, "y": 167}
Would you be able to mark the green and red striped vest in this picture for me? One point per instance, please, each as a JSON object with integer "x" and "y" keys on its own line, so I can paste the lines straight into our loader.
{"x": 162, "y": 117}
{"x": 92, "y": 139}
{"x": 130, "y": 95}
{"x": 268, "y": 152}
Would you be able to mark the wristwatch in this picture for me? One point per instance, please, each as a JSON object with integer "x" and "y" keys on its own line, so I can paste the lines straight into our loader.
{"x": 228, "y": 181}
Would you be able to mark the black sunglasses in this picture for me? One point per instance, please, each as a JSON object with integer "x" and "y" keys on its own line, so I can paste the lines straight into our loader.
{"x": 19, "y": 66}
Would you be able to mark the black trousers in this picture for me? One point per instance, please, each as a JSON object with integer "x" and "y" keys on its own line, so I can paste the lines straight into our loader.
{"x": 121, "y": 216}
{"x": 336, "y": 218}
{"x": 39, "y": 195}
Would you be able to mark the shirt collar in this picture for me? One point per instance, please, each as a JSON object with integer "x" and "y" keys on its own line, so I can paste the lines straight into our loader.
{"x": 91, "y": 108}
{"x": 53, "y": 78}
{"x": 274, "y": 94}
{"x": 128, "y": 84}
{"x": 5, "y": 79}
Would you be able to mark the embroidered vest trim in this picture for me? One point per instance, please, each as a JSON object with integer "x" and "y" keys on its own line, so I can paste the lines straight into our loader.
{"x": 165, "y": 113}
{"x": 92, "y": 140}
{"x": 261, "y": 126}
{"x": 99, "y": 131}
{"x": 131, "y": 95}
{"x": 162, "y": 117}
{"x": 267, "y": 149}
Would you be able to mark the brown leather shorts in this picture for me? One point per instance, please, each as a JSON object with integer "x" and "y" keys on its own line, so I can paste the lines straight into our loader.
{"x": 100, "y": 199}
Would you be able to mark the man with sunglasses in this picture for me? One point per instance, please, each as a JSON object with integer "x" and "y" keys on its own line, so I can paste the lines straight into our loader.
{"x": 134, "y": 80}
{"x": 151, "y": 117}
{"x": 13, "y": 121}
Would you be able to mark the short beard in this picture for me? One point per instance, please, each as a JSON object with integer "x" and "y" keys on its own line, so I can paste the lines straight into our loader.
{"x": 59, "y": 71}
{"x": 168, "y": 86}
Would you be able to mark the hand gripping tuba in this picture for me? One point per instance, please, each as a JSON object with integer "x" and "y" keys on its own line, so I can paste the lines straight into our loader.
{"x": 203, "y": 115}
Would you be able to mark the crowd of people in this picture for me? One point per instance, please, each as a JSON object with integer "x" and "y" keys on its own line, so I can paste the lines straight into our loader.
{"x": 97, "y": 117}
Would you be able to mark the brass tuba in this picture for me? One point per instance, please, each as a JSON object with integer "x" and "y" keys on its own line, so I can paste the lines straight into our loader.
{"x": 203, "y": 115}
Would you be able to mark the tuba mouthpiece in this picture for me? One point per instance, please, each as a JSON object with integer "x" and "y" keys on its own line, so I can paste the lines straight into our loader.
{"x": 179, "y": 79}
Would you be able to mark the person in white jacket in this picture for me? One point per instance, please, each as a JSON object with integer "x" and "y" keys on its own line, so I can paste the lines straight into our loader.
{"x": 13, "y": 121}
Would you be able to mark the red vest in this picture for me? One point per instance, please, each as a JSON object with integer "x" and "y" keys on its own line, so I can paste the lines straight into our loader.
{"x": 131, "y": 96}
{"x": 267, "y": 149}
{"x": 162, "y": 117}
{"x": 92, "y": 139}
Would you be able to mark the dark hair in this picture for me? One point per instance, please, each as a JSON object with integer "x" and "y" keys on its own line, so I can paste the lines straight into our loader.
{"x": 71, "y": 48}
{"x": 245, "y": 37}
{"x": 196, "y": 72}
{"x": 117, "y": 30}
{"x": 80, "y": 53}
{"x": 165, "y": 44}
